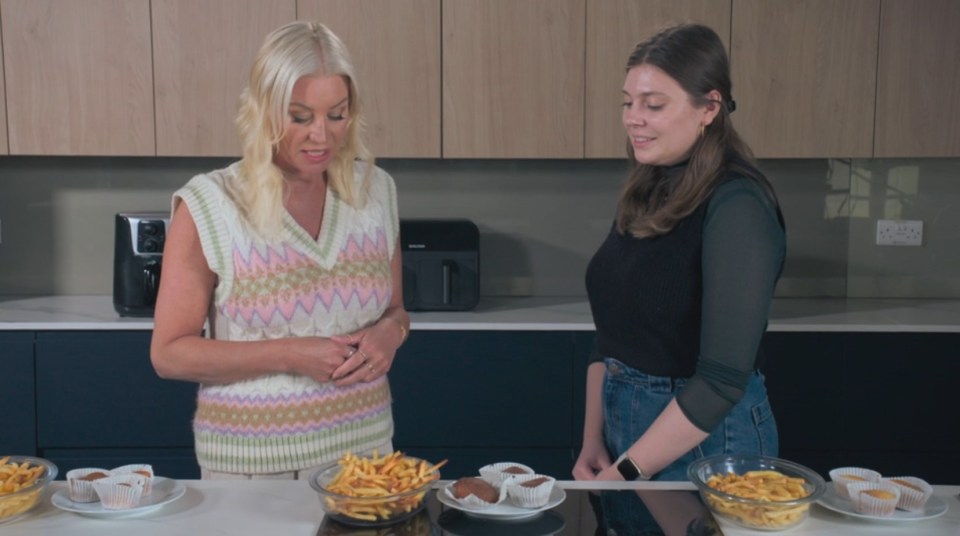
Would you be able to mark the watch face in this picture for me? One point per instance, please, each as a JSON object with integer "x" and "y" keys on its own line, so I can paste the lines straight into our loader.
{"x": 627, "y": 469}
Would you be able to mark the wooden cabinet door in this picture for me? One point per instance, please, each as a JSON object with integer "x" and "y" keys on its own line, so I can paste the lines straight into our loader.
{"x": 4, "y": 149}
{"x": 513, "y": 78}
{"x": 79, "y": 77}
{"x": 614, "y": 27}
{"x": 918, "y": 114}
{"x": 803, "y": 76}
{"x": 202, "y": 54}
{"x": 395, "y": 47}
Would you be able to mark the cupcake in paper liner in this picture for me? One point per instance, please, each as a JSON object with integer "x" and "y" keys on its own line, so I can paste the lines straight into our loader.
{"x": 874, "y": 498}
{"x": 80, "y": 483}
{"x": 142, "y": 469}
{"x": 119, "y": 492}
{"x": 843, "y": 476}
{"x": 475, "y": 492}
{"x": 530, "y": 491}
{"x": 497, "y": 473}
{"x": 914, "y": 492}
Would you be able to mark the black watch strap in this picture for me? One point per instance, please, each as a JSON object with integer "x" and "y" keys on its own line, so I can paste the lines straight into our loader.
{"x": 629, "y": 469}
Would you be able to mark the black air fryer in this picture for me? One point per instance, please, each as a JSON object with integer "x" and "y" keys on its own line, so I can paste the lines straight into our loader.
{"x": 137, "y": 254}
{"x": 441, "y": 265}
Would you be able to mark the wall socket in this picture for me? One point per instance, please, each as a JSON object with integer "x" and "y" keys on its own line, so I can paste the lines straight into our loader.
{"x": 899, "y": 232}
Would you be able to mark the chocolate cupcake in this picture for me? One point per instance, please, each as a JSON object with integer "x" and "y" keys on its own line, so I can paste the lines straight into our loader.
{"x": 80, "y": 483}
{"x": 474, "y": 492}
{"x": 498, "y": 473}
{"x": 119, "y": 492}
{"x": 142, "y": 469}
{"x": 530, "y": 491}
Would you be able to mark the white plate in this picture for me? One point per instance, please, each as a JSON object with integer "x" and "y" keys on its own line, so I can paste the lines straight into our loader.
{"x": 165, "y": 490}
{"x": 935, "y": 507}
{"x": 505, "y": 510}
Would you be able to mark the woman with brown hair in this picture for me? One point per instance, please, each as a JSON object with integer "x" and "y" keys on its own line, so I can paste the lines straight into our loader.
{"x": 681, "y": 288}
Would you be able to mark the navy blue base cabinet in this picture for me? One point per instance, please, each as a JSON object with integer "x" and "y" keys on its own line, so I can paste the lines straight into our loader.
{"x": 100, "y": 403}
{"x": 480, "y": 397}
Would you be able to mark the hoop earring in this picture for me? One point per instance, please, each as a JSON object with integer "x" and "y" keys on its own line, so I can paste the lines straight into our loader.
{"x": 702, "y": 129}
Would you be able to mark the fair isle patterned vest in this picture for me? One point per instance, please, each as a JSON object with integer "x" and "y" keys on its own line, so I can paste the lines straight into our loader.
{"x": 293, "y": 287}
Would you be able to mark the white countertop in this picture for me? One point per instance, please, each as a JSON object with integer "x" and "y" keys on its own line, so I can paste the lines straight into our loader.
{"x": 291, "y": 508}
{"x": 530, "y": 314}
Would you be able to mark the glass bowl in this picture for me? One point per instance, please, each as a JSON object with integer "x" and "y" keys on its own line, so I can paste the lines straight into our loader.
{"x": 755, "y": 513}
{"x": 369, "y": 511}
{"x": 16, "y": 504}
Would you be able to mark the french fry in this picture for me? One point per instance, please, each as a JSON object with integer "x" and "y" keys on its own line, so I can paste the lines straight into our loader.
{"x": 363, "y": 481}
{"x": 13, "y": 478}
{"x": 765, "y": 486}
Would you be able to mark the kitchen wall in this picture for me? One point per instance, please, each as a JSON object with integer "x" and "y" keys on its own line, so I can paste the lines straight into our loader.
{"x": 540, "y": 220}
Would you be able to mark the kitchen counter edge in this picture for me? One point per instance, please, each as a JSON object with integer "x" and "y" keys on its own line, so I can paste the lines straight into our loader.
{"x": 42, "y": 313}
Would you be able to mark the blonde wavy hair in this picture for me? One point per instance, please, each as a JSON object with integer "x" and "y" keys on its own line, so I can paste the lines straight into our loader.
{"x": 294, "y": 50}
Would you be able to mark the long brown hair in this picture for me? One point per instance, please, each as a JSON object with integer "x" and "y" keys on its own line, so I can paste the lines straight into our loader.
{"x": 693, "y": 55}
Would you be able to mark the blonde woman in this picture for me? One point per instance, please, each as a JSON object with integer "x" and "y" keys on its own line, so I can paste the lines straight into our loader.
{"x": 290, "y": 256}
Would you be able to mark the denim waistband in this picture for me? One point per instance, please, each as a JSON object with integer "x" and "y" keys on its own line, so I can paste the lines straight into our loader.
{"x": 622, "y": 372}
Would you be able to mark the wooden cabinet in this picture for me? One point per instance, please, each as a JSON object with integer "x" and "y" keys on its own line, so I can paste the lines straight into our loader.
{"x": 99, "y": 402}
{"x": 479, "y": 397}
{"x": 804, "y": 74}
{"x": 202, "y": 54}
{"x": 395, "y": 48}
{"x": 17, "y": 396}
{"x": 917, "y": 79}
{"x": 79, "y": 77}
{"x": 513, "y": 78}
{"x": 614, "y": 27}
{"x": 4, "y": 148}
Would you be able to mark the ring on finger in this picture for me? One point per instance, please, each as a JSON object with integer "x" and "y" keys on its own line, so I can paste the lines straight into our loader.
{"x": 373, "y": 370}
{"x": 364, "y": 355}
{"x": 352, "y": 351}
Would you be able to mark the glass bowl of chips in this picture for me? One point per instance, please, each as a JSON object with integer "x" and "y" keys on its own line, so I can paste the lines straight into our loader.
{"x": 374, "y": 491}
{"x": 23, "y": 482}
{"x": 757, "y": 492}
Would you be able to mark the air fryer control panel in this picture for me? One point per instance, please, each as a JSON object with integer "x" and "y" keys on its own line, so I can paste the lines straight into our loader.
{"x": 148, "y": 233}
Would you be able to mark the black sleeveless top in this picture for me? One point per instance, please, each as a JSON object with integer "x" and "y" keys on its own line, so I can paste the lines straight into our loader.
{"x": 693, "y": 303}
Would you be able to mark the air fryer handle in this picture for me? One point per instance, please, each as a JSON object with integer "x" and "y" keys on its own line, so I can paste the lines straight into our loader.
{"x": 151, "y": 281}
{"x": 448, "y": 268}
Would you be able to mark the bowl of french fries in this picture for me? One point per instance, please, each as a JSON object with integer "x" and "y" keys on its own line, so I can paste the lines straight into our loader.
{"x": 23, "y": 482}
{"x": 372, "y": 491}
{"x": 757, "y": 492}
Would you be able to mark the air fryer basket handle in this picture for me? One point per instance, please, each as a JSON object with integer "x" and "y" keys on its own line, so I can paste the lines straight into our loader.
{"x": 151, "y": 281}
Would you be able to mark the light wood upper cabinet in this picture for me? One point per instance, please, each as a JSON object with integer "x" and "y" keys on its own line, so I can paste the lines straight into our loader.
{"x": 202, "y": 54}
{"x": 395, "y": 48}
{"x": 918, "y": 79}
{"x": 78, "y": 77}
{"x": 513, "y": 78}
{"x": 614, "y": 27}
{"x": 3, "y": 109}
{"x": 803, "y": 76}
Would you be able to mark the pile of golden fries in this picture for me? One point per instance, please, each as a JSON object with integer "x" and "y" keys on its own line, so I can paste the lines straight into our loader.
{"x": 13, "y": 478}
{"x": 763, "y": 486}
{"x": 377, "y": 488}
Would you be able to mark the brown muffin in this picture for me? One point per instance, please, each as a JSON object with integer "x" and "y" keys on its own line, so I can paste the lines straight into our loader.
{"x": 514, "y": 470}
{"x": 854, "y": 477}
{"x": 478, "y": 487}
{"x": 534, "y": 482}
{"x": 93, "y": 476}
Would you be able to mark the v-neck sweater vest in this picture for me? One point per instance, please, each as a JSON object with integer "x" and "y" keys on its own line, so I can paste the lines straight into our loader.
{"x": 292, "y": 287}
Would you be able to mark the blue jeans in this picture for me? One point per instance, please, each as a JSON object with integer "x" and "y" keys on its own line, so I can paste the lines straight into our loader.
{"x": 632, "y": 400}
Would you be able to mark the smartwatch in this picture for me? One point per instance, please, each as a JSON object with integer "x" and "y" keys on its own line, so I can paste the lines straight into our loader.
{"x": 629, "y": 469}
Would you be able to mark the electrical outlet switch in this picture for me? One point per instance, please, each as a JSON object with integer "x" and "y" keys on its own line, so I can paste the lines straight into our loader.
{"x": 899, "y": 232}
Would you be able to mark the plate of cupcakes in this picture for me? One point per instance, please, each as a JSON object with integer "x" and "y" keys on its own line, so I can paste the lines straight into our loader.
{"x": 864, "y": 493}
{"x": 125, "y": 491}
{"x": 504, "y": 491}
